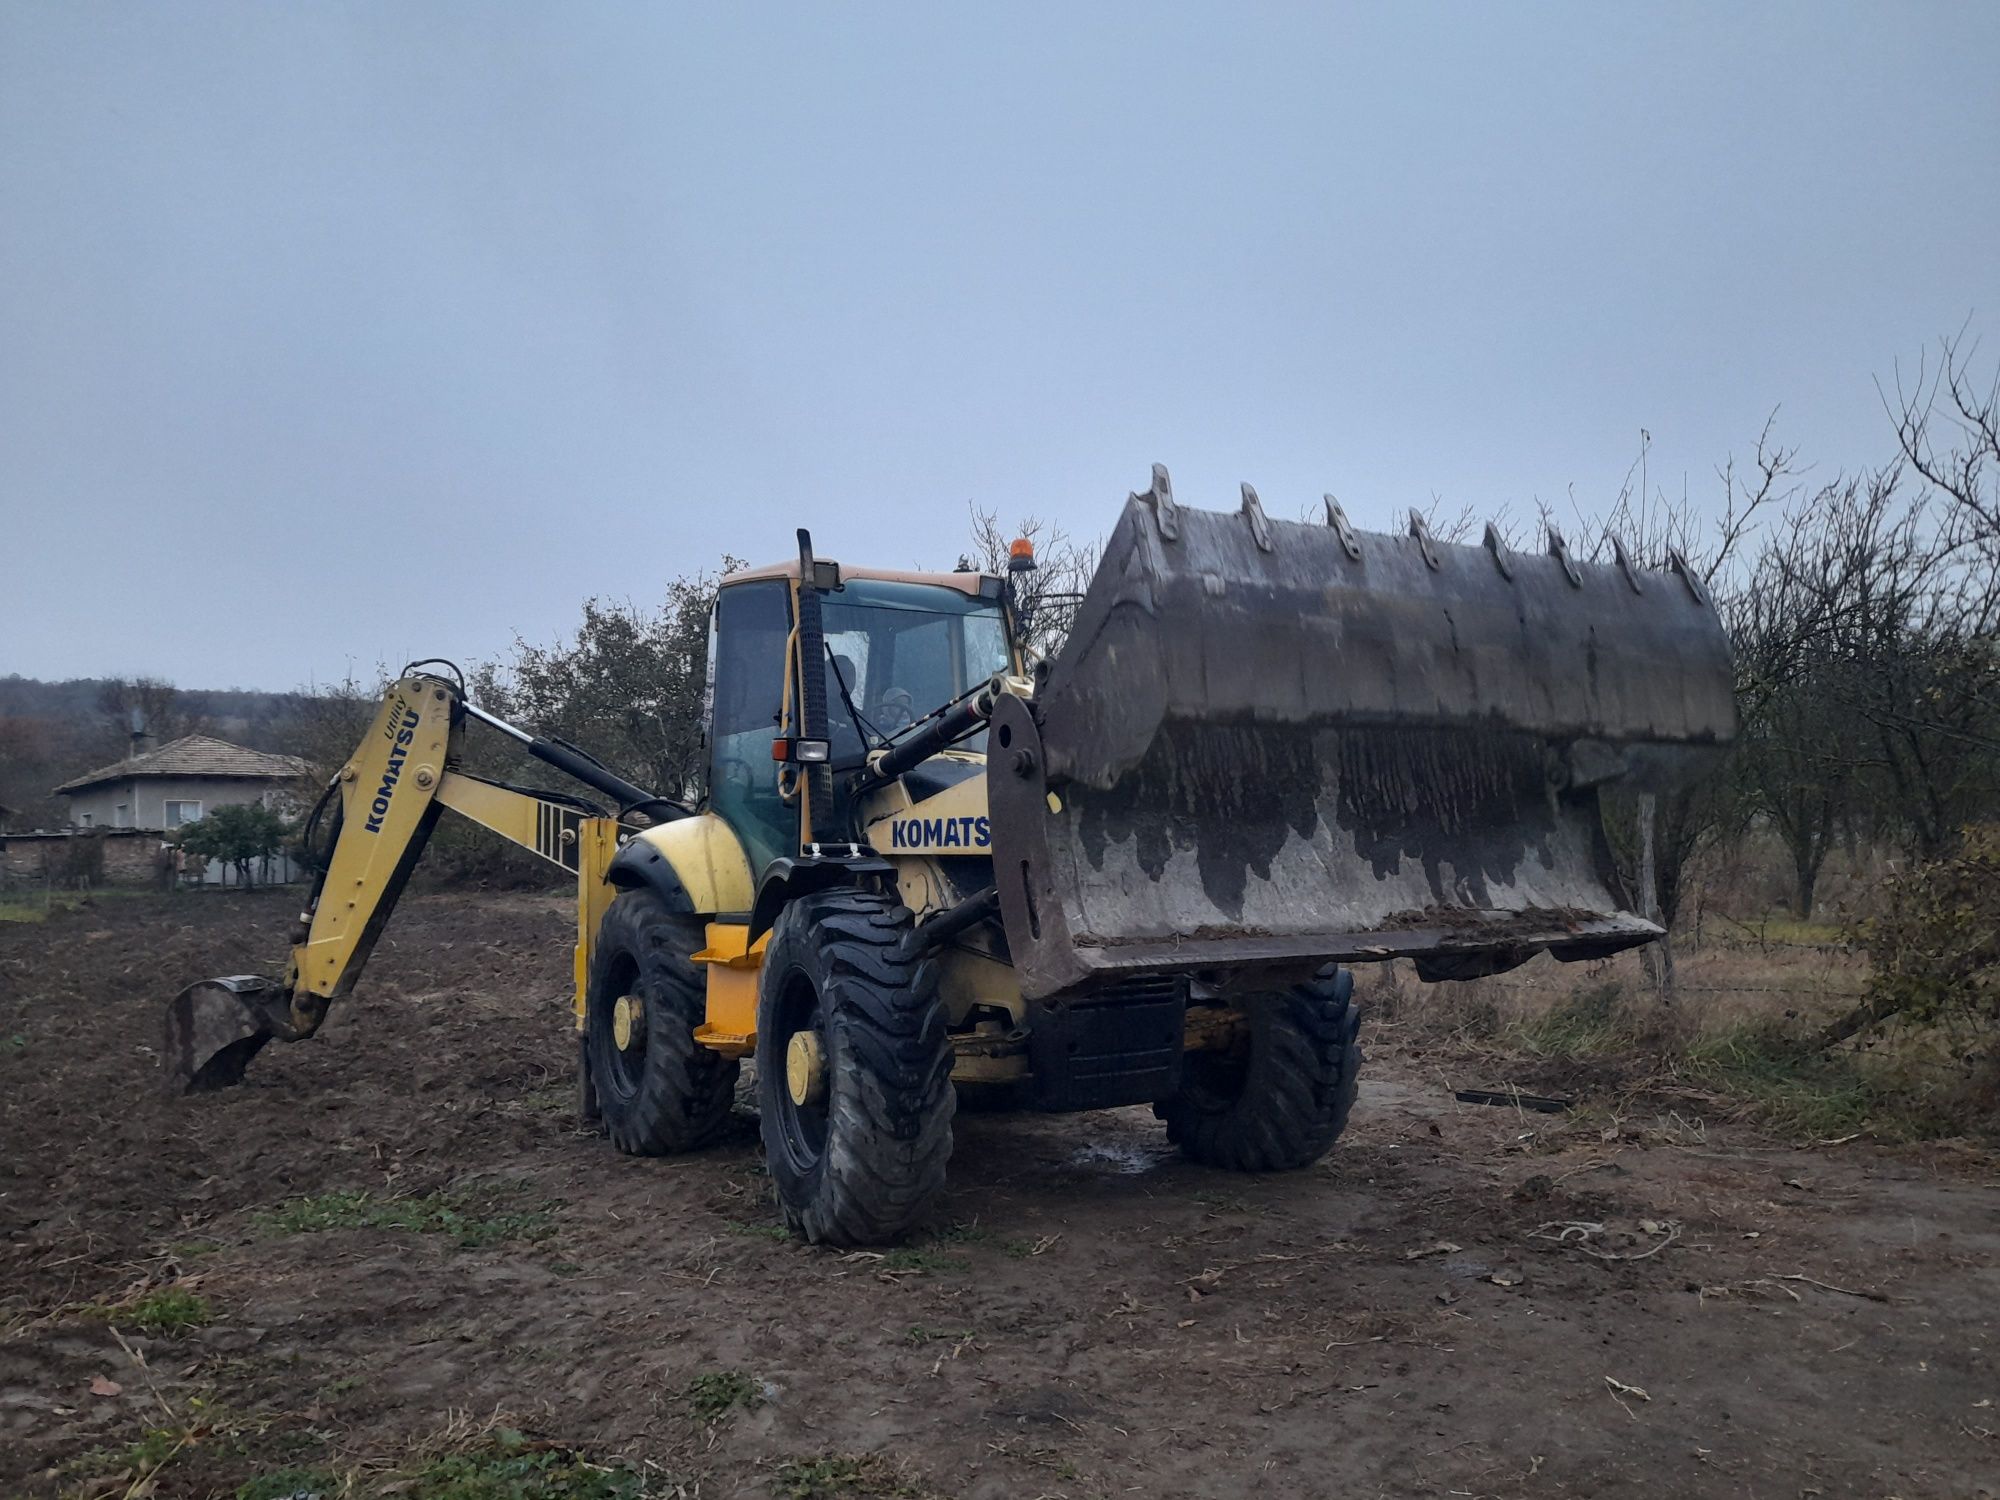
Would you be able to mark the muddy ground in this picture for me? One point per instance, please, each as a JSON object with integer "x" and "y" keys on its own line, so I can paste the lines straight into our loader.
{"x": 1415, "y": 1316}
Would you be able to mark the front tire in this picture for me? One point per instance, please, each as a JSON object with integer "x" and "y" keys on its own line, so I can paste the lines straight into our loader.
{"x": 659, "y": 1091}
{"x": 1282, "y": 1101}
{"x": 857, "y": 1130}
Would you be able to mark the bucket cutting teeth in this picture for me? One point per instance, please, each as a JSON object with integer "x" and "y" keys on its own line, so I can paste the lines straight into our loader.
{"x": 1337, "y": 519}
{"x": 1420, "y": 529}
{"x": 1166, "y": 514}
{"x": 1260, "y": 524}
{"x": 1559, "y": 550}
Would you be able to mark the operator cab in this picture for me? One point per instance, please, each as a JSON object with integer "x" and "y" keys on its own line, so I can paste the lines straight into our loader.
{"x": 898, "y": 646}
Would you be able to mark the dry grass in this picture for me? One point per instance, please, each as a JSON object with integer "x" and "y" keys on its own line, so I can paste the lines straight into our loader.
{"x": 35, "y": 904}
{"x": 1734, "y": 1026}
{"x": 466, "y": 1458}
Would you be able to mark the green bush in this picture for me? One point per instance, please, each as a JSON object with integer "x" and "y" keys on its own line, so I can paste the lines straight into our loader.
{"x": 1818, "y": 1095}
{"x": 236, "y": 834}
{"x": 1934, "y": 939}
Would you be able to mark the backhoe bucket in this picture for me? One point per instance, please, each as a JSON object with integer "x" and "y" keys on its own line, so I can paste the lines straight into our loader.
{"x": 1267, "y": 745}
{"x": 215, "y": 1027}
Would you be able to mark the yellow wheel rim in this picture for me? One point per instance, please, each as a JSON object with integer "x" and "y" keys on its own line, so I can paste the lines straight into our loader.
{"x": 805, "y": 1069}
{"x": 628, "y": 1022}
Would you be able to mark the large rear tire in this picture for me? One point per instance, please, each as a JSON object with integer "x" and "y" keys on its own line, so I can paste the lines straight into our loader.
{"x": 1280, "y": 1102}
{"x": 859, "y": 1159}
{"x": 661, "y": 1092}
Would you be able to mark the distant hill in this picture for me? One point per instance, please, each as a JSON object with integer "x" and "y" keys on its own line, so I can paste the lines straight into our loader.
{"x": 79, "y": 698}
{"x": 51, "y": 731}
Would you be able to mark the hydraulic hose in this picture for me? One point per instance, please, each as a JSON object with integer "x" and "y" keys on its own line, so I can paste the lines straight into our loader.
{"x": 584, "y": 767}
{"x": 943, "y": 731}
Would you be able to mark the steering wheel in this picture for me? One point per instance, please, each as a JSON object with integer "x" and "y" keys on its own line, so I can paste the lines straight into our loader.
{"x": 894, "y": 711}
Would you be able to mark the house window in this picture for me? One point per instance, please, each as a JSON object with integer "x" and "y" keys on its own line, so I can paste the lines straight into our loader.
{"x": 182, "y": 812}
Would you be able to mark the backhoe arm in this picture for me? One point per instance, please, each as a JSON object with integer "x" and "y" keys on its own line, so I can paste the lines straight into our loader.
{"x": 386, "y": 805}
{"x": 369, "y": 830}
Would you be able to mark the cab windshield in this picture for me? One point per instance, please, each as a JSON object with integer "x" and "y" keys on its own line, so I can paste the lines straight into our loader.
{"x": 896, "y": 651}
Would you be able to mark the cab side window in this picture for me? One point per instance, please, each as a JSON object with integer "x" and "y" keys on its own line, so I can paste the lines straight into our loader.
{"x": 747, "y": 664}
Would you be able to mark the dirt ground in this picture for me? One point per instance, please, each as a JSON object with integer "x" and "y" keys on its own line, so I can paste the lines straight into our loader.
{"x": 1632, "y": 1299}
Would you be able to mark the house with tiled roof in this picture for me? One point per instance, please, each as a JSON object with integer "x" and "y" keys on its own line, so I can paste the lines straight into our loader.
{"x": 179, "y": 782}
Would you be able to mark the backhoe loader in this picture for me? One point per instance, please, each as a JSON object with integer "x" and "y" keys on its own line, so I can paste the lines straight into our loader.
{"x": 1134, "y": 874}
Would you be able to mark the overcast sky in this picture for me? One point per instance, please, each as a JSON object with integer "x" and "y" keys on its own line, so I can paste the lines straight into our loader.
{"x": 333, "y": 335}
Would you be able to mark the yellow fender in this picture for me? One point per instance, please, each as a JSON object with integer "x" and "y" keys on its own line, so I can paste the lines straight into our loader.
{"x": 696, "y": 865}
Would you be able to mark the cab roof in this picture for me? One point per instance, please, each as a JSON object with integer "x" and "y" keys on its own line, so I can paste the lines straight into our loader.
{"x": 972, "y": 584}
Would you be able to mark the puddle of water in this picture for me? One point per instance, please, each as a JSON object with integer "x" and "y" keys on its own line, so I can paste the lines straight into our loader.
{"x": 1123, "y": 1159}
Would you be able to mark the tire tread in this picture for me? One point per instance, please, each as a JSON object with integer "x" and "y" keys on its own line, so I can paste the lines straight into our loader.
{"x": 1303, "y": 1077}
{"x": 889, "y": 1130}
{"x": 685, "y": 1094}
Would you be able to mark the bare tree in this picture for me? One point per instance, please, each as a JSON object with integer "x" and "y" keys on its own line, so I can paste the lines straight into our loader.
{"x": 1046, "y": 598}
{"x": 1656, "y": 528}
{"x": 149, "y": 705}
{"x": 1891, "y": 619}
{"x": 1948, "y": 427}
{"x": 1799, "y": 753}
{"x": 628, "y": 687}
{"x": 1659, "y": 531}
{"x": 327, "y": 721}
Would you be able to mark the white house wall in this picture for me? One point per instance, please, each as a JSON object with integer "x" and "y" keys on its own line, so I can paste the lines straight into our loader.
{"x": 145, "y": 798}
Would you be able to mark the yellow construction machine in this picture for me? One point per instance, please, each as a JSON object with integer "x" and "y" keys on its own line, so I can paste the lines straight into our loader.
{"x": 923, "y": 863}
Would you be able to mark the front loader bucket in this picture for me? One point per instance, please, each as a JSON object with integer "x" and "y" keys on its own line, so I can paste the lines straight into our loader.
{"x": 1268, "y": 745}
{"x": 215, "y": 1027}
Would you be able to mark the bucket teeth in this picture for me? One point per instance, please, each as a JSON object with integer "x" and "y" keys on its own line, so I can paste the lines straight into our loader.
{"x": 1497, "y": 545}
{"x": 1677, "y": 561}
{"x": 1260, "y": 525}
{"x": 1422, "y": 532}
{"x": 1625, "y": 565}
{"x": 1166, "y": 514}
{"x": 1559, "y": 550}
{"x": 1337, "y": 519}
